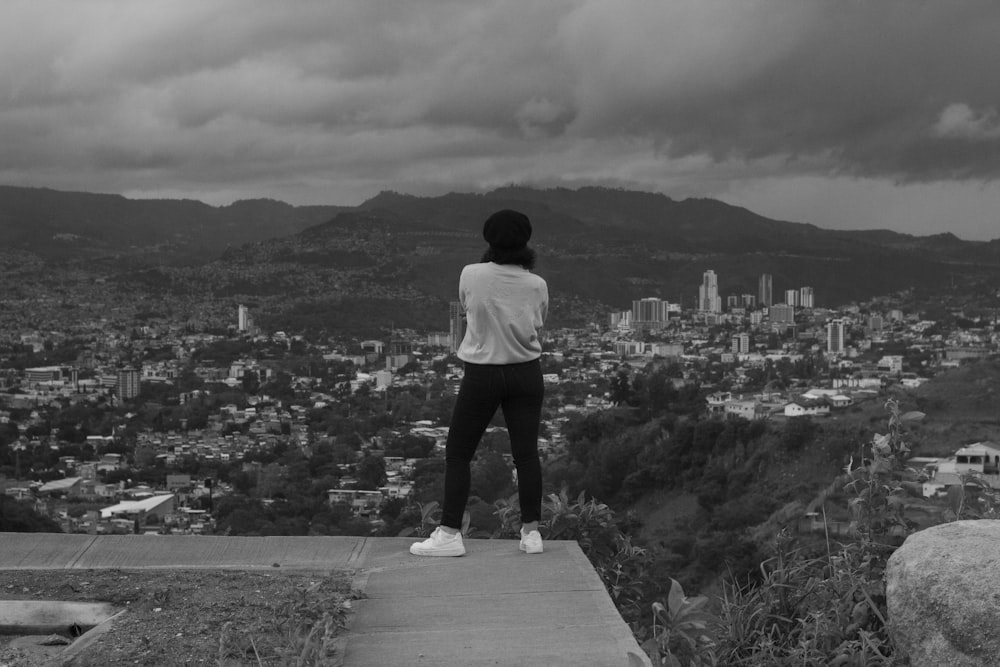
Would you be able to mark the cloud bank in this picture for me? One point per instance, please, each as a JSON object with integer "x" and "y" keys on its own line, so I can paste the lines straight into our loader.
{"x": 330, "y": 102}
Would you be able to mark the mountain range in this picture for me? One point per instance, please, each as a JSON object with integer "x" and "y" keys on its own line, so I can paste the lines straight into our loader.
{"x": 598, "y": 248}
{"x": 58, "y": 224}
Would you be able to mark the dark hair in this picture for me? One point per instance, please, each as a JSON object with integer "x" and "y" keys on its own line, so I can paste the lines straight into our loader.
{"x": 523, "y": 257}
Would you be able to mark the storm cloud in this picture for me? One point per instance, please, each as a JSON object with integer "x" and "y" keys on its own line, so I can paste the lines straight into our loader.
{"x": 782, "y": 105}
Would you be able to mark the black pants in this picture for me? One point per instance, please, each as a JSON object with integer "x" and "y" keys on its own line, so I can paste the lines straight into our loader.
{"x": 517, "y": 389}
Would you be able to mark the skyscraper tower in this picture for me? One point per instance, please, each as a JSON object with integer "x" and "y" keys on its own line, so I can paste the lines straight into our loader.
{"x": 243, "y": 318}
{"x": 764, "y": 291}
{"x": 709, "y": 300}
{"x": 835, "y": 336}
{"x": 806, "y": 297}
{"x": 455, "y": 321}
{"x": 650, "y": 310}
{"x": 128, "y": 383}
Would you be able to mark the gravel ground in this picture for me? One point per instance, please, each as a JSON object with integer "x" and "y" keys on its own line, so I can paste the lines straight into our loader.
{"x": 192, "y": 617}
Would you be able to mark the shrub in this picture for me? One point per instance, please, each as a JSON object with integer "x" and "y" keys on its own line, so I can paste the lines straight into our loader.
{"x": 807, "y": 611}
{"x": 829, "y": 610}
{"x": 680, "y": 631}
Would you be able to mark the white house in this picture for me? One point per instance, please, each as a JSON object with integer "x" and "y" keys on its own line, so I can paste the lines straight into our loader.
{"x": 818, "y": 392}
{"x": 980, "y": 457}
{"x": 911, "y": 381}
{"x": 891, "y": 363}
{"x": 717, "y": 402}
{"x": 840, "y": 400}
{"x": 160, "y": 505}
{"x": 806, "y": 409}
{"x": 744, "y": 409}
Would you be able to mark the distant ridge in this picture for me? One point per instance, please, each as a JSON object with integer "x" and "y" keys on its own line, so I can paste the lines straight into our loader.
{"x": 599, "y": 248}
{"x": 57, "y": 223}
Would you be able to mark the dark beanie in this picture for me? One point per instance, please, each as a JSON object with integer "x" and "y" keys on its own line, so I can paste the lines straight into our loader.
{"x": 507, "y": 229}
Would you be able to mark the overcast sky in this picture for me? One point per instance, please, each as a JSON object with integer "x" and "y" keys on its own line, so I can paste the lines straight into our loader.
{"x": 849, "y": 114}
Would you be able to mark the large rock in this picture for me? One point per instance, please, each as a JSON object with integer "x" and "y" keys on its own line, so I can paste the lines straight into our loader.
{"x": 943, "y": 595}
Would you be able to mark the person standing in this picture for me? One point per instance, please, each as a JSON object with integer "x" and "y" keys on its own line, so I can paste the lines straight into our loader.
{"x": 505, "y": 306}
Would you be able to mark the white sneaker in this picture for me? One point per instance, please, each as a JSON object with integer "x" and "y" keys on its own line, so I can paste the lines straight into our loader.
{"x": 531, "y": 543}
{"x": 440, "y": 543}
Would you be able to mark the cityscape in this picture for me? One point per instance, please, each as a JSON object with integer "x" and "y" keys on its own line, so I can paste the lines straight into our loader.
{"x": 230, "y": 239}
{"x": 704, "y": 407}
{"x": 148, "y": 428}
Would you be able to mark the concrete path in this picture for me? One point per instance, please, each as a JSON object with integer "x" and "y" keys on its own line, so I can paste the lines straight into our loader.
{"x": 493, "y": 606}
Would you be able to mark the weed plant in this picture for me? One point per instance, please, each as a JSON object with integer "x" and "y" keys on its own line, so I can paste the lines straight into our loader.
{"x": 309, "y": 630}
{"x": 830, "y": 609}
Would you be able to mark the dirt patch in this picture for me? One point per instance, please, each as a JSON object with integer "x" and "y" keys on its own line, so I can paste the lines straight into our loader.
{"x": 192, "y": 617}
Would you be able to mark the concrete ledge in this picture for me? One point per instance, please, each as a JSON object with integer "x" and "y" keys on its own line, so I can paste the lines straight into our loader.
{"x": 30, "y": 551}
{"x": 493, "y": 606}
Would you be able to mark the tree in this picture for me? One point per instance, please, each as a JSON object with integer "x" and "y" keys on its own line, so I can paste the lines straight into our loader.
{"x": 409, "y": 367}
{"x": 391, "y": 509}
{"x": 495, "y": 441}
{"x": 188, "y": 381}
{"x": 797, "y": 433}
{"x": 491, "y": 476}
{"x": 371, "y": 472}
{"x": 145, "y": 456}
{"x": 20, "y": 517}
{"x": 280, "y": 386}
{"x": 251, "y": 382}
{"x": 411, "y": 446}
{"x": 428, "y": 480}
{"x": 620, "y": 389}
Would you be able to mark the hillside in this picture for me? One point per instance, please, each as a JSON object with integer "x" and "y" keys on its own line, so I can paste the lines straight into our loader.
{"x": 961, "y": 407}
{"x": 642, "y": 244}
{"x": 397, "y": 256}
{"x": 56, "y": 224}
{"x": 706, "y": 492}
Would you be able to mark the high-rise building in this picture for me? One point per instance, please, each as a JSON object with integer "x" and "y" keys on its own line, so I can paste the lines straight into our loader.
{"x": 128, "y": 383}
{"x": 456, "y": 320}
{"x": 400, "y": 347}
{"x": 242, "y": 318}
{"x": 806, "y": 297}
{"x": 782, "y": 312}
{"x": 621, "y": 320}
{"x": 649, "y": 309}
{"x": 765, "y": 293}
{"x": 438, "y": 339}
{"x": 732, "y": 301}
{"x": 835, "y": 336}
{"x": 875, "y": 323}
{"x": 749, "y": 301}
{"x": 792, "y": 297}
{"x": 708, "y": 293}
{"x": 741, "y": 343}
{"x": 651, "y": 313}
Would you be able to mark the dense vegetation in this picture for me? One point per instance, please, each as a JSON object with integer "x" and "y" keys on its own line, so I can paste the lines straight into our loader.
{"x": 18, "y": 516}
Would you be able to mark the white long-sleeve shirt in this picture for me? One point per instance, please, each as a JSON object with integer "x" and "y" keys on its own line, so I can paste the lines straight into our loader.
{"x": 505, "y": 307}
